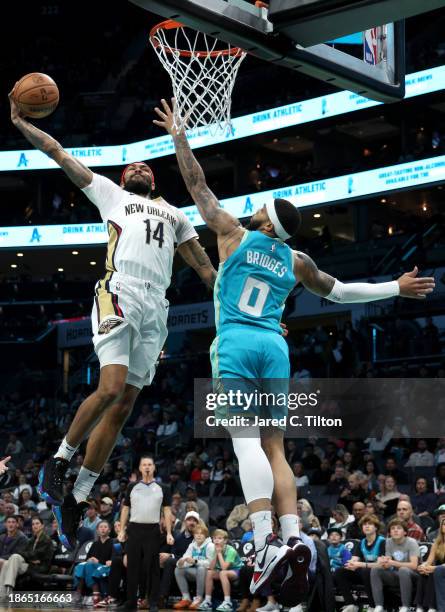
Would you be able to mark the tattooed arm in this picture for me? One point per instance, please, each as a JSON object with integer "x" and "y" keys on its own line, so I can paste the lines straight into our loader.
{"x": 217, "y": 219}
{"x": 195, "y": 256}
{"x": 79, "y": 174}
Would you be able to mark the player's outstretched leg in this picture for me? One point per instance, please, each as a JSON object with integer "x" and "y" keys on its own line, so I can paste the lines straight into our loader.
{"x": 100, "y": 446}
{"x": 111, "y": 387}
{"x": 295, "y": 583}
{"x": 257, "y": 483}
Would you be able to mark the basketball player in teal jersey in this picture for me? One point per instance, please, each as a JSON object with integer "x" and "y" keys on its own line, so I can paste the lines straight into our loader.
{"x": 257, "y": 271}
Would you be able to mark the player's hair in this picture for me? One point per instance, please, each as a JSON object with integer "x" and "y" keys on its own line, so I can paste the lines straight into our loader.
{"x": 369, "y": 518}
{"x": 221, "y": 533}
{"x": 396, "y": 522}
{"x": 288, "y": 215}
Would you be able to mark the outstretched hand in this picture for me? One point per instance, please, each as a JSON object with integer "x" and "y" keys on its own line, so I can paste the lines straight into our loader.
{"x": 166, "y": 117}
{"x": 412, "y": 286}
{"x": 16, "y": 113}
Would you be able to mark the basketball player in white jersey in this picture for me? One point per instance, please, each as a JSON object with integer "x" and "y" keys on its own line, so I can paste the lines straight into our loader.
{"x": 129, "y": 313}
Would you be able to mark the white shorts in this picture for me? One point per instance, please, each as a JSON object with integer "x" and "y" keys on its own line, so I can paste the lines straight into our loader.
{"x": 129, "y": 321}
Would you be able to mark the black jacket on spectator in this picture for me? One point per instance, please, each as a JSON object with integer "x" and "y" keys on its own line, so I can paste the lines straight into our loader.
{"x": 354, "y": 532}
{"x": 182, "y": 541}
{"x": 9, "y": 546}
{"x": 41, "y": 550}
{"x": 323, "y": 590}
{"x": 101, "y": 550}
{"x": 356, "y": 495}
{"x": 203, "y": 489}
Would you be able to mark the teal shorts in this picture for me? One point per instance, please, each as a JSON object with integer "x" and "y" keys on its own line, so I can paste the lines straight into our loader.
{"x": 251, "y": 359}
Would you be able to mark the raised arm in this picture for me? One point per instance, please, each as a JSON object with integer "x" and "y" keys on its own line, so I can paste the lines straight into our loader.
{"x": 79, "y": 174}
{"x": 209, "y": 207}
{"x": 195, "y": 256}
{"x": 324, "y": 285}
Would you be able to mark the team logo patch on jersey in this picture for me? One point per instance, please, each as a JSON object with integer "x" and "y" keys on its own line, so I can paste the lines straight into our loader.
{"x": 109, "y": 324}
{"x": 273, "y": 247}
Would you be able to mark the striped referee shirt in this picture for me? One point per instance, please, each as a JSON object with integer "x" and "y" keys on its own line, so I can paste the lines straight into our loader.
{"x": 146, "y": 500}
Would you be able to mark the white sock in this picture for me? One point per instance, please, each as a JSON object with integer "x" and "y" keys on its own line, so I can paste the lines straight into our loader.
{"x": 84, "y": 483}
{"x": 186, "y": 596}
{"x": 262, "y": 527}
{"x": 227, "y": 598}
{"x": 289, "y": 527}
{"x": 65, "y": 450}
{"x": 208, "y": 599}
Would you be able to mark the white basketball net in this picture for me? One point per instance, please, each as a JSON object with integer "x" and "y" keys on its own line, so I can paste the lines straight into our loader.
{"x": 202, "y": 75}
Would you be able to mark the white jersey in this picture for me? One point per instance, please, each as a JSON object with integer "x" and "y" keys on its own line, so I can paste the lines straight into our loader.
{"x": 143, "y": 233}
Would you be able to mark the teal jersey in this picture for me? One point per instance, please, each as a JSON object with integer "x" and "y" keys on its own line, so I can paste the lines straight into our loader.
{"x": 254, "y": 282}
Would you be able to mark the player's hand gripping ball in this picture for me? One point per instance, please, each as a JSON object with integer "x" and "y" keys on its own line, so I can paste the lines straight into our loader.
{"x": 36, "y": 94}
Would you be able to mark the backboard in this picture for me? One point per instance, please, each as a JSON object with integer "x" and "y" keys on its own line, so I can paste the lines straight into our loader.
{"x": 292, "y": 33}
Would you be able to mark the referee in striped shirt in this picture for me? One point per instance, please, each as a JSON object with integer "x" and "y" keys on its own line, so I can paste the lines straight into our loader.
{"x": 143, "y": 503}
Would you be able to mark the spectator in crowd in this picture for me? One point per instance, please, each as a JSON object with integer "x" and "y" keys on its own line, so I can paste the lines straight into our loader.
{"x": 392, "y": 469}
{"x": 35, "y": 556}
{"x": 203, "y": 484}
{"x": 439, "y": 567}
{"x": 353, "y": 492}
{"x": 364, "y": 556}
{"x": 197, "y": 453}
{"x": 182, "y": 540}
{"x": 106, "y": 512}
{"x": 118, "y": 569}
{"x": 13, "y": 540}
{"x": 301, "y": 480}
{"x": 322, "y": 475}
{"x": 202, "y": 506}
{"x": 87, "y": 573}
{"x": 144, "y": 417}
{"x": 405, "y": 513}
{"x": 423, "y": 501}
{"x": 25, "y": 500}
{"x": 340, "y": 518}
{"x": 217, "y": 472}
{"x": 338, "y": 481}
{"x": 25, "y": 521}
{"x": 306, "y": 514}
{"x": 168, "y": 427}
{"x": 92, "y": 519}
{"x": 439, "y": 480}
{"x": 422, "y": 457}
{"x": 22, "y": 486}
{"x": 309, "y": 459}
{"x": 397, "y": 567}
{"x": 175, "y": 484}
{"x": 388, "y": 495}
{"x": 338, "y": 554}
{"x": 193, "y": 566}
{"x": 439, "y": 455}
{"x": 225, "y": 567}
{"x": 14, "y": 447}
{"x": 426, "y": 593}
{"x": 227, "y": 486}
{"x": 439, "y": 513}
{"x": 292, "y": 453}
{"x": 354, "y": 530}
{"x": 371, "y": 472}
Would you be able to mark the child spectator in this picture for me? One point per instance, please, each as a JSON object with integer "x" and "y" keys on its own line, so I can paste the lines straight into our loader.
{"x": 337, "y": 552}
{"x": 358, "y": 569}
{"x": 225, "y": 566}
{"x": 193, "y": 566}
{"x": 397, "y": 567}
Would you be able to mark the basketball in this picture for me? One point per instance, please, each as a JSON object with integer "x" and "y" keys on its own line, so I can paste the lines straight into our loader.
{"x": 37, "y": 95}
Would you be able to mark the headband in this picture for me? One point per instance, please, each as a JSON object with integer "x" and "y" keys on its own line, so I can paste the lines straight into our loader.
{"x": 151, "y": 174}
{"x": 278, "y": 228}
